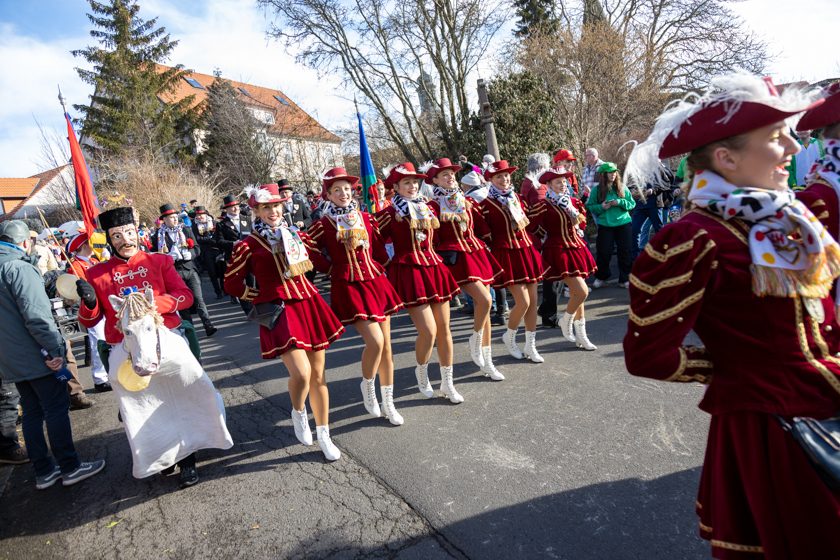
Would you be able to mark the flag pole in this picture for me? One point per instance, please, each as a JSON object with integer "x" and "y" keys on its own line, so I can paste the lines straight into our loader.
{"x": 50, "y": 233}
{"x": 61, "y": 99}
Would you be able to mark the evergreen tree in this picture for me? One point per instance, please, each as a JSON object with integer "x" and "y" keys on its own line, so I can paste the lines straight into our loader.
{"x": 534, "y": 15}
{"x": 593, "y": 12}
{"x": 237, "y": 146}
{"x": 126, "y": 111}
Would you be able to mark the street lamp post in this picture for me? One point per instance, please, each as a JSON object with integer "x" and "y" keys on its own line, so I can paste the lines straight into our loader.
{"x": 487, "y": 120}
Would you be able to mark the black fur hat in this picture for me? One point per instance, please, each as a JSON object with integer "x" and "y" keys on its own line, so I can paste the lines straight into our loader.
{"x": 116, "y": 217}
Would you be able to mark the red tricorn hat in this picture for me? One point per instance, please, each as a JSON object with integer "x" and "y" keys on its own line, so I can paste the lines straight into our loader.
{"x": 432, "y": 168}
{"x": 497, "y": 167}
{"x": 77, "y": 241}
{"x": 563, "y": 155}
{"x": 405, "y": 170}
{"x": 337, "y": 174}
{"x": 826, "y": 114}
{"x": 553, "y": 173}
{"x": 266, "y": 194}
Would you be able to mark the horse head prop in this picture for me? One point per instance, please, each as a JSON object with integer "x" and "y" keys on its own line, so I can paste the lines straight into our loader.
{"x": 141, "y": 324}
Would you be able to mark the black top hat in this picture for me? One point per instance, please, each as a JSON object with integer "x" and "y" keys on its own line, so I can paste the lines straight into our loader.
{"x": 200, "y": 210}
{"x": 230, "y": 200}
{"x": 116, "y": 217}
{"x": 284, "y": 185}
{"x": 167, "y": 210}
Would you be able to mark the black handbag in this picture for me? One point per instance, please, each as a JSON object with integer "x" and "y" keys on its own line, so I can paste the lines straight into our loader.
{"x": 820, "y": 440}
{"x": 266, "y": 314}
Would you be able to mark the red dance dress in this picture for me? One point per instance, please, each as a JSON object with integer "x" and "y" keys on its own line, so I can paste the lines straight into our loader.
{"x": 416, "y": 271}
{"x": 457, "y": 242}
{"x": 564, "y": 250}
{"x": 763, "y": 356}
{"x": 359, "y": 289}
{"x": 513, "y": 248}
{"x": 307, "y": 321}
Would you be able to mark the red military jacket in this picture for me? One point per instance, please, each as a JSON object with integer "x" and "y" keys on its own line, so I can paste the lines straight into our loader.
{"x": 141, "y": 271}
{"x": 407, "y": 248}
{"x": 451, "y": 237}
{"x": 253, "y": 255}
{"x": 500, "y": 227}
{"x": 79, "y": 266}
{"x": 351, "y": 265}
{"x": 821, "y": 199}
{"x": 760, "y": 354}
{"x": 554, "y": 224}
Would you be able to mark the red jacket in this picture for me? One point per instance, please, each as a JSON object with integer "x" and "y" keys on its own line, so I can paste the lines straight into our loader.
{"x": 450, "y": 236}
{"x": 140, "y": 271}
{"x": 760, "y": 354}
{"x": 253, "y": 255}
{"x": 531, "y": 193}
{"x": 356, "y": 265}
{"x": 501, "y": 232}
{"x": 79, "y": 267}
{"x": 553, "y": 223}
{"x": 407, "y": 248}
{"x": 821, "y": 199}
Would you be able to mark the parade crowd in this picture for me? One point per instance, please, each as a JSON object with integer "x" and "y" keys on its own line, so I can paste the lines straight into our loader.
{"x": 708, "y": 234}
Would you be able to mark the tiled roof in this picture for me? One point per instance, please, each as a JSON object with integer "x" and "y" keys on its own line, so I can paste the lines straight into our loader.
{"x": 290, "y": 120}
{"x": 20, "y": 193}
{"x": 16, "y": 187}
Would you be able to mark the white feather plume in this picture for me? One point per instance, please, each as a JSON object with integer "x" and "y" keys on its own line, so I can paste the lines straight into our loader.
{"x": 426, "y": 166}
{"x": 386, "y": 171}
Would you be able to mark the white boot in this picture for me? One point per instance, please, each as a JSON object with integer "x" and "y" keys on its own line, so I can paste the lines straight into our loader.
{"x": 489, "y": 369}
{"x": 388, "y": 409}
{"x": 329, "y": 449}
{"x": 447, "y": 386}
{"x": 475, "y": 347}
{"x": 509, "y": 338}
{"x": 421, "y": 372}
{"x": 369, "y": 396}
{"x": 530, "y": 350}
{"x": 581, "y": 336}
{"x": 300, "y": 420}
{"x": 566, "y": 326}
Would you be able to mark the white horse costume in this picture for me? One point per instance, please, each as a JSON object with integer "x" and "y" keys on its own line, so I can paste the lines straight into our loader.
{"x": 179, "y": 411}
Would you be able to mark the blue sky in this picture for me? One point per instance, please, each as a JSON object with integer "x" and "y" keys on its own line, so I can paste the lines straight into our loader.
{"x": 36, "y": 37}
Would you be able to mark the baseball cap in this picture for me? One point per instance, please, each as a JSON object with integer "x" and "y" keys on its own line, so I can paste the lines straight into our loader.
{"x": 14, "y": 230}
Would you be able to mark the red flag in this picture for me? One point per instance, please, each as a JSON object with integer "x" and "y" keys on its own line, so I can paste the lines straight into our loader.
{"x": 84, "y": 186}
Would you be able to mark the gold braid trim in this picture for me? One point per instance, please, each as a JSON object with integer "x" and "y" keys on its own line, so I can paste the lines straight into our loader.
{"x": 680, "y": 368}
{"x": 680, "y": 376}
{"x": 667, "y": 283}
{"x": 667, "y": 313}
{"x": 736, "y": 547}
{"x": 823, "y": 215}
{"x": 676, "y": 250}
{"x": 829, "y": 376}
{"x": 818, "y": 202}
{"x": 737, "y": 233}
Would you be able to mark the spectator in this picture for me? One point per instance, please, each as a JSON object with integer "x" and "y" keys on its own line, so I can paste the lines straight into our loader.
{"x": 27, "y": 325}
{"x": 11, "y": 452}
{"x": 590, "y": 176}
{"x": 45, "y": 259}
{"x": 185, "y": 216}
{"x": 650, "y": 208}
{"x": 611, "y": 204}
{"x": 530, "y": 190}
{"x": 812, "y": 150}
{"x": 568, "y": 160}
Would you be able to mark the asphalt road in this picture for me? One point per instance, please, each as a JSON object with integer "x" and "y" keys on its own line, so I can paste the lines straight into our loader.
{"x": 570, "y": 459}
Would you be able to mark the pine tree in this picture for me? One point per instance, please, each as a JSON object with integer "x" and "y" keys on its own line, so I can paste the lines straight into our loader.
{"x": 534, "y": 15}
{"x": 125, "y": 110}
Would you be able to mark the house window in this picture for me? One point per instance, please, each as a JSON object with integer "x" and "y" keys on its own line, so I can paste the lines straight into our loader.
{"x": 266, "y": 117}
{"x": 287, "y": 148}
{"x": 281, "y": 100}
{"x": 244, "y": 91}
{"x": 194, "y": 83}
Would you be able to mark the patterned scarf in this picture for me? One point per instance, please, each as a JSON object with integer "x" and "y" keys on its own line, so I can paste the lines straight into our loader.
{"x": 287, "y": 244}
{"x": 510, "y": 201}
{"x": 179, "y": 241}
{"x": 564, "y": 202}
{"x": 417, "y": 210}
{"x": 205, "y": 227}
{"x": 453, "y": 205}
{"x": 828, "y": 167}
{"x": 792, "y": 254}
{"x": 349, "y": 223}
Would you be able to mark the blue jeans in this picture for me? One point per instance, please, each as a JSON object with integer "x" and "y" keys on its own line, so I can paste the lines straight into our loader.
{"x": 45, "y": 400}
{"x": 644, "y": 219}
{"x": 9, "y": 399}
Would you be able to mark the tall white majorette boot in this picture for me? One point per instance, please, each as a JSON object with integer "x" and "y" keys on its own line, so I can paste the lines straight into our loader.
{"x": 566, "y": 326}
{"x": 421, "y": 372}
{"x": 369, "y": 395}
{"x": 475, "y": 347}
{"x": 329, "y": 449}
{"x": 581, "y": 336}
{"x": 388, "y": 409}
{"x": 489, "y": 369}
{"x": 447, "y": 386}
{"x": 530, "y": 350}
{"x": 509, "y": 338}
{"x": 300, "y": 421}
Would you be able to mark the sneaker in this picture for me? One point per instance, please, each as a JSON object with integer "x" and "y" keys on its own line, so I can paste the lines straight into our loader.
{"x": 47, "y": 480}
{"x": 85, "y": 470}
{"x": 16, "y": 456}
{"x": 189, "y": 476}
{"x": 102, "y": 387}
{"x": 78, "y": 402}
{"x": 300, "y": 422}
{"x": 598, "y": 284}
{"x": 624, "y": 285}
{"x": 210, "y": 330}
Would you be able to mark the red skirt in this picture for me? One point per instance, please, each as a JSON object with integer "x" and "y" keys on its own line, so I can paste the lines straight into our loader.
{"x": 478, "y": 266}
{"x": 372, "y": 300}
{"x": 759, "y": 495}
{"x": 419, "y": 285}
{"x": 308, "y": 324}
{"x": 563, "y": 262}
{"x": 519, "y": 266}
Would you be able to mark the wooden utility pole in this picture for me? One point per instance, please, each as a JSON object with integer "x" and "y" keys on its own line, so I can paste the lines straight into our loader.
{"x": 487, "y": 120}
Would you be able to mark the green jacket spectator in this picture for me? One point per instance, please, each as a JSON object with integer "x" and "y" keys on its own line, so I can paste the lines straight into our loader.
{"x": 617, "y": 215}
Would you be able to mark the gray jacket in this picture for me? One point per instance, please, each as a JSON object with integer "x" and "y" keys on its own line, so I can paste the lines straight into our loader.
{"x": 26, "y": 319}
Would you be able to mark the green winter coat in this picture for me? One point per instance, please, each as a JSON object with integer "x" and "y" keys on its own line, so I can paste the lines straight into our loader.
{"x": 615, "y": 216}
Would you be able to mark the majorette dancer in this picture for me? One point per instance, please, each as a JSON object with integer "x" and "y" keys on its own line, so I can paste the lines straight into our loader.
{"x": 467, "y": 257}
{"x": 422, "y": 280}
{"x": 343, "y": 243}
{"x": 749, "y": 270}
{"x": 559, "y": 220}
{"x": 305, "y": 327}
{"x": 513, "y": 248}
